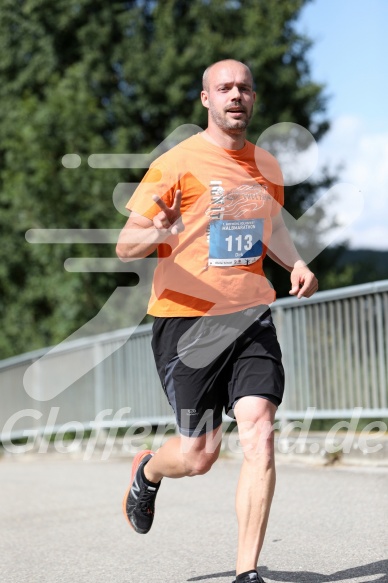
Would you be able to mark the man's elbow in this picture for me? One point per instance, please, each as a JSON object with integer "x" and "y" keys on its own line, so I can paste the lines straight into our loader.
{"x": 122, "y": 253}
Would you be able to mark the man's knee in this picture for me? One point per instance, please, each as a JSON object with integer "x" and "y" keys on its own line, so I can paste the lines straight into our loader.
{"x": 255, "y": 427}
{"x": 199, "y": 458}
{"x": 200, "y": 464}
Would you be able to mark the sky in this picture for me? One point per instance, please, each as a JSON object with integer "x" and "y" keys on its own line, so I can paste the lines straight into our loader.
{"x": 350, "y": 55}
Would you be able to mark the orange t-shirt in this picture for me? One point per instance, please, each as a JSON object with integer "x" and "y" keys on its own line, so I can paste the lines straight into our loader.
{"x": 216, "y": 263}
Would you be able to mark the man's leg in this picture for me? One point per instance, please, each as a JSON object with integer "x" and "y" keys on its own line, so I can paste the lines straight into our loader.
{"x": 255, "y": 417}
{"x": 178, "y": 457}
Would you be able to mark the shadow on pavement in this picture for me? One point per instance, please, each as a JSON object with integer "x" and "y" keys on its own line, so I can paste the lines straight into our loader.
{"x": 378, "y": 568}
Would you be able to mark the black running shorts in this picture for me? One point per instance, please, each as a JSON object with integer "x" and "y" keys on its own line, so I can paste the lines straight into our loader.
{"x": 206, "y": 364}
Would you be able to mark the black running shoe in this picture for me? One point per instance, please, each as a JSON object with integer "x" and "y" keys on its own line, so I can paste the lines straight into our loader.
{"x": 252, "y": 578}
{"x": 139, "y": 499}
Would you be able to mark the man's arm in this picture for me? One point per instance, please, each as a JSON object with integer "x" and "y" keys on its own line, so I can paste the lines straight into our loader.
{"x": 282, "y": 250}
{"x": 141, "y": 236}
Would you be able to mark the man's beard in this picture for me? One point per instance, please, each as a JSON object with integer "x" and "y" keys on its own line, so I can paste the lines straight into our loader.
{"x": 235, "y": 126}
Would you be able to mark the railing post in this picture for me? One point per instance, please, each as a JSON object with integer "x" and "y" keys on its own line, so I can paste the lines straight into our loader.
{"x": 281, "y": 334}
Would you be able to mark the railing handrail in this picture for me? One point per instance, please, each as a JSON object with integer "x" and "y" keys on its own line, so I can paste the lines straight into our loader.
{"x": 84, "y": 342}
{"x": 334, "y": 294}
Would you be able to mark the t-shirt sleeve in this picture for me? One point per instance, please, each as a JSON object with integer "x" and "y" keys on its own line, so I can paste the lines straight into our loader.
{"x": 277, "y": 180}
{"x": 158, "y": 180}
{"x": 270, "y": 169}
{"x": 278, "y": 199}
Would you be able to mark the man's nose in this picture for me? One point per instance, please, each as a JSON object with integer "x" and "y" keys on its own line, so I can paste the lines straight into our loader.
{"x": 235, "y": 93}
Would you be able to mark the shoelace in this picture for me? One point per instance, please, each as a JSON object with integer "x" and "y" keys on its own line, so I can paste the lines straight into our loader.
{"x": 146, "y": 501}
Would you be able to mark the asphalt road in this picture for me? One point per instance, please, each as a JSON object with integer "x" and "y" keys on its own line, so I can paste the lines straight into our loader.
{"x": 61, "y": 521}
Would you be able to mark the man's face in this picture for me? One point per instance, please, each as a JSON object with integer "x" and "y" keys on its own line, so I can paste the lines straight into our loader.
{"x": 229, "y": 97}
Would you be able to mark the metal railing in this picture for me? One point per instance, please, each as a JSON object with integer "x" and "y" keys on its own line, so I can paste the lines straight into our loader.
{"x": 335, "y": 354}
{"x": 335, "y": 351}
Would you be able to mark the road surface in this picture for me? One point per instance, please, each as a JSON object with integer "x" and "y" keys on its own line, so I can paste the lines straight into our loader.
{"x": 61, "y": 521}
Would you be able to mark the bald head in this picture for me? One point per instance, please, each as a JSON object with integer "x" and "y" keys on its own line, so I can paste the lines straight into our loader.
{"x": 229, "y": 97}
{"x": 217, "y": 67}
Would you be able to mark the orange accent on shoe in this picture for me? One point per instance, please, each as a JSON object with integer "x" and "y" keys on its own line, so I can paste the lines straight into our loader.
{"x": 135, "y": 464}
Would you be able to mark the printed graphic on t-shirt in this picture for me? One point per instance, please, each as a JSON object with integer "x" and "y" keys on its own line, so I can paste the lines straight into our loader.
{"x": 235, "y": 237}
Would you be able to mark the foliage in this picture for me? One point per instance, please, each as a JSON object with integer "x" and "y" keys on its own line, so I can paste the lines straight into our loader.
{"x": 90, "y": 76}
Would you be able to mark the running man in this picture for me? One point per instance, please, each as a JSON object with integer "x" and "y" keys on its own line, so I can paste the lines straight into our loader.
{"x": 209, "y": 208}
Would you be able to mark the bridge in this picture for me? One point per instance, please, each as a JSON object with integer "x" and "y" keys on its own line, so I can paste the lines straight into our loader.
{"x": 63, "y": 481}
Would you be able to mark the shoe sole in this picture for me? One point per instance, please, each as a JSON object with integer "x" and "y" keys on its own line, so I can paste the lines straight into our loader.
{"x": 135, "y": 464}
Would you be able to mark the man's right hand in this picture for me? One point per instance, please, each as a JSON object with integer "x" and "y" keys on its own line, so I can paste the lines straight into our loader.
{"x": 169, "y": 218}
{"x": 141, "y": 236}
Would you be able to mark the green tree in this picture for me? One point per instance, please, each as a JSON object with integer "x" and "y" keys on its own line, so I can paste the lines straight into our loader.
{"x": 90, "y": 76}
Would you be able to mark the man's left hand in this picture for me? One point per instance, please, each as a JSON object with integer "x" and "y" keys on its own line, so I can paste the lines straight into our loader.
{"x": 303, "y": 282}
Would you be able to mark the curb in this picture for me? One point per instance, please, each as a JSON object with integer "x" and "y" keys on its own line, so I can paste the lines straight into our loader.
{"x": 314, "y": 448}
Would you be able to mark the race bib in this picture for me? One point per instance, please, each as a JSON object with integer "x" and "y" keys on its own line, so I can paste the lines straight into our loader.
{"x": 235, "y": 242}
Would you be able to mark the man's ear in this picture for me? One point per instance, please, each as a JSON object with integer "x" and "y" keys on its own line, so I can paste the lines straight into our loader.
{"x": 205, "y": 98}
